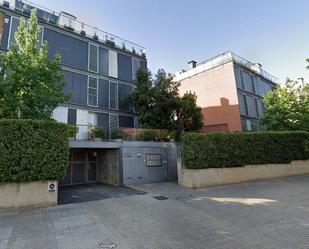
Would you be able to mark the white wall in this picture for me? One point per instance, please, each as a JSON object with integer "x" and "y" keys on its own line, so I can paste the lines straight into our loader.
{"x": 113, "y": 64}
{"x": 61, "y": 114}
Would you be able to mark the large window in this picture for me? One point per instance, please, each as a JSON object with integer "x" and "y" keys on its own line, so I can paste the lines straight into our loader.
{"x": 245, "y": 105}
{"x": 103, "y": 61}
{"x": 76, "y": 85}
{"x": 124, "y": 93}
{"x": 74, "y": 52}
{"x": 124, "y": 67}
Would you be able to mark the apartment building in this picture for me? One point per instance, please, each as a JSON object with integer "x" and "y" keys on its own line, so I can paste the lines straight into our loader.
{"x": 99, "y": 67}
{"x": 99, "y": 70}
{"x": 230, "y": 90}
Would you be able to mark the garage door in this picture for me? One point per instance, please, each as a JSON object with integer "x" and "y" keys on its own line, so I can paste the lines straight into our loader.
{"x": 81, "y": 169}
{"x": 142, "y": 165}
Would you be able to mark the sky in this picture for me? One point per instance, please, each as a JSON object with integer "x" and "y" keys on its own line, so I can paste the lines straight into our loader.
{"x": 274, "y": 33}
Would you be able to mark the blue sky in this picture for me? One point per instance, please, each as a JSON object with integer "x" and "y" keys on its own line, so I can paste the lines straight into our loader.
{"x": 274, "y": 33}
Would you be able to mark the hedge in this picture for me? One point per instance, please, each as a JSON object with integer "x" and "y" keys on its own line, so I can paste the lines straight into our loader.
{"x": 216, "y": 150}
{"x": 33, "y": 150}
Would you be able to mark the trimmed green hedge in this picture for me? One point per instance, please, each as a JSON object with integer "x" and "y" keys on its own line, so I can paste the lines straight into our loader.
{"x": 33, "y": 150}
{"x": 217, "y": 150}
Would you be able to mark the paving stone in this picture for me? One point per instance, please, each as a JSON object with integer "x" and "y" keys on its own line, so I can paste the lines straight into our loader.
{"x": 268, "y": 214}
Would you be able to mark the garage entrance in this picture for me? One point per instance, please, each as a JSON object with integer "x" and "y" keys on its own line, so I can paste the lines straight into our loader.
{"x": 83, "y": 168}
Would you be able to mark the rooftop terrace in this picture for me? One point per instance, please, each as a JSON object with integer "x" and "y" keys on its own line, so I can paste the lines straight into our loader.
{"x": 223, "y": 59}
{"x": 70, "y": 22}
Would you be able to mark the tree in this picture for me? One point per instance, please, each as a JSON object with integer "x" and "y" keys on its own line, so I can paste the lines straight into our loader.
{"x": 159, "y": 105}
{"x": 287, "y": 108}
{"x": 189, "y": 114}
{"x": 31, "y": 86}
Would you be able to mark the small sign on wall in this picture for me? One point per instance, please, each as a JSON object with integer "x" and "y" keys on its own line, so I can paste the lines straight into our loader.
{"x": 52, "y": 185}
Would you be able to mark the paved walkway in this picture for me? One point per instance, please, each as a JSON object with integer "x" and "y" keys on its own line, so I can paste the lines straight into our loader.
{"x": 268, "y": 214}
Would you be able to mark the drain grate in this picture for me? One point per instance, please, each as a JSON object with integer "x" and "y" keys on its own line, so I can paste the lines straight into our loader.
{"x": 160, "y": 198}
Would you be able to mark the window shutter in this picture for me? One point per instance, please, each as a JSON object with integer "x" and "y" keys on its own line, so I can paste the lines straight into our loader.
{"x": 93, "y": 91}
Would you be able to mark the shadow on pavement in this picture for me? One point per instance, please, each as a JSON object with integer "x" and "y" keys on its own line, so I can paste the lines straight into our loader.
{"x": 93, "y": 192}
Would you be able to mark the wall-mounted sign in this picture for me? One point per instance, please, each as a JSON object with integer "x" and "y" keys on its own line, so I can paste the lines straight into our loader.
{"x": 52, "y": 186}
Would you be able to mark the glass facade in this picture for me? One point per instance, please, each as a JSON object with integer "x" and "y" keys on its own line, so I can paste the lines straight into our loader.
{"x": 251, "y": 88}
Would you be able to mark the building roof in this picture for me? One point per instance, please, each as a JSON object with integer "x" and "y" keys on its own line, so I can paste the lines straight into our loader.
{"x": 69, "y": 22}
{"x": 222, "y": 59}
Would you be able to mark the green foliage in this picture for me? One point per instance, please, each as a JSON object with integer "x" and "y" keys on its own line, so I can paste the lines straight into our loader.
{"x": 117, "y": 133}
{"x": 189, "y": 114}
{"x": 287, "y": 108}
{"x": 216, "y": 150}
{"x": 99, "y": 133}
{"x": 96, "y": 132}
{"x": 152, "y": 135}
{"x": 156, "y": 100}
{"x": 72, "y": 129}
{"x": 31, "y": 84}
{"x": 160, "y": 106}
{"x": 33, "y": 150}
{"x": 147, "y": 135}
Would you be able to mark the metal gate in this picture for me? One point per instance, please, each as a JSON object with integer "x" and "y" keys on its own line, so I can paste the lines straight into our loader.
{"x": 141, "y": 165}
{"x": 82, "y": 168}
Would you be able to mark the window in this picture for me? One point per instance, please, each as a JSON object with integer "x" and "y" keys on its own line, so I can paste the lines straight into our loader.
{"x": 113, "y": 95}
{"x": 245, "y": 104}
{"x": 14, "y": 27}
{"x": 126, "y": 122}
{"x": 93, "y": 58}
{"x": 72, "y": 116}
{"x": 256, "y": 108}
{"x": 253, "y": 80}
{"x": 242, "y": 79}
{"x": 92, "y": 91}
{"x": 135, "y": 67}
{"x": 124, "y": 67}
{"x": 124, "y": 93}
{"x": 103, "y": 61}
{"x": 254, "y": 125}
{"x": 74, "y": 52}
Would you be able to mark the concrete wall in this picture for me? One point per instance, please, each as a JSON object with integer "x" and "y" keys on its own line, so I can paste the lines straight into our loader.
{"x": 109, "y": 167}
{"x": 217, "y": 95}
{"x": 32, "y": 194}
{"x": 200, "y": 178}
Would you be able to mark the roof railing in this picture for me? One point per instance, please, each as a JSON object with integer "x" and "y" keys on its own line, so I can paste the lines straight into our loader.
{"x": 74, "y": 25}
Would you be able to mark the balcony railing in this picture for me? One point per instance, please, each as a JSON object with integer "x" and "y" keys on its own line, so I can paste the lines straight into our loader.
{"x": 69, "y": 23}
{"x": 222, "y": 59}
{"x": 96, "y": 133}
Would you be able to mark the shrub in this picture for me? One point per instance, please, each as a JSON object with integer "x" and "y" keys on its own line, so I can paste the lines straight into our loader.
{"x": 72, "y": 130}
{"x": 99, "y": 133}
{"x": 33, "y": 150}
{"x": 146, "y": 135}
{"x": 117, "y": 133}
{"x": 96, "y": 132}
{"x": 152, "y": 135}
{"x": 218, "y": 150}
{"x": 162, "y": 135}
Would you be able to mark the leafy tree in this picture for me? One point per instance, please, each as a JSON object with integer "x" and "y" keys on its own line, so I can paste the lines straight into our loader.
{"x": 31, "y": 86}
{"x": 189, "y": 114}
{"x": 287, "y": 108}
{"x": 159, "y": 105}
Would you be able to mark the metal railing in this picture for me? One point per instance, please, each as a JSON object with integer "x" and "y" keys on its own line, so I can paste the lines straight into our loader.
{"x": 94, "y": 133}
{"x": 73, "y": 25}
{"x": 223, "y": 59}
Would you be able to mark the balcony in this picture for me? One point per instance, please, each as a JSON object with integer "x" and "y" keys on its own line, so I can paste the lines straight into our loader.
{"x": 69, "y": 22}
